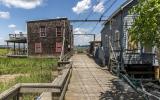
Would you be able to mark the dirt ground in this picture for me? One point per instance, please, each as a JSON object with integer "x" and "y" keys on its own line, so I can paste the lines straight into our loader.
{"x": 9, "y": 77}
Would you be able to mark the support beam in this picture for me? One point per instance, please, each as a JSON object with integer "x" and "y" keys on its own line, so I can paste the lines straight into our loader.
{"x": 19, "y": 48}
{"x": 94, "y": 20}
{"x": 14, "y": 48}
{"x": 94, "y": 36}
{"x": 7, "y": 47}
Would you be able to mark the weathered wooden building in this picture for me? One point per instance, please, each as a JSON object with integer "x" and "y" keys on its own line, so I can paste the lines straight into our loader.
{"x": 139, "y": 61}
{"x": 47, "y": 37}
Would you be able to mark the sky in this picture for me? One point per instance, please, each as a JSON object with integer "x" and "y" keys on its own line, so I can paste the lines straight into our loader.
{"x": 15, "y": 13}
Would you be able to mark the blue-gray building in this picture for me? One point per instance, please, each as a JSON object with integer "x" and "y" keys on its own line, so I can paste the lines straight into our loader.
{"x": 137, "y": 60}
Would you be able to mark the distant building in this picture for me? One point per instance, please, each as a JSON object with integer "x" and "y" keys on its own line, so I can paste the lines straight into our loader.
{"x": 17, "y": 45}
{"x": 93, "y": 47}
{"x": 45, "y": 37}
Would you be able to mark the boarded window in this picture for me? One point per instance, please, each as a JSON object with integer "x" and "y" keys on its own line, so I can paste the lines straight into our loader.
{"x": 132, "y": 45}
{"x": 59, "y": 32}
{"x": 38, "y": 48}
{"x": 42, "y": 31}
{"x": 58, "y": 47}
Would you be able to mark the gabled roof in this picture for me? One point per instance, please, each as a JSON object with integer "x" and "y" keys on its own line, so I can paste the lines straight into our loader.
{"x": 119, "y": 9}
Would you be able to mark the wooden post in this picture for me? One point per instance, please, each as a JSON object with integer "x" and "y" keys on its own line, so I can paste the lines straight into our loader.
{"x": 24, "y": 51}
{"x": 19, "y": 48}
{"x": 14, "y": 48}
{"x": 157, "y": 72}
{"x": 7, "y": 48}
{"x": 94, "y": 37}
{"x": 16, "y": 97}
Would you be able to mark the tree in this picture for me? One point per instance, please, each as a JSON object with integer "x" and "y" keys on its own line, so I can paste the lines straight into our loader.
{"x": 146, "y": 26}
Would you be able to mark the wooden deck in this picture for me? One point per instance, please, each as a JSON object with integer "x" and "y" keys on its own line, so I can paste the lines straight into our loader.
{"x": 90, "y": 82}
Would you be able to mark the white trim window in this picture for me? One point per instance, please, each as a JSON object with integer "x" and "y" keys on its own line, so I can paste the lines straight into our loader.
{"x": 38, "y": 48}
{"x": 59, "y": 32}
{"x": 58, "y": 47}
{"x": 117, "y": 38}
{"x": 43, "y": 31}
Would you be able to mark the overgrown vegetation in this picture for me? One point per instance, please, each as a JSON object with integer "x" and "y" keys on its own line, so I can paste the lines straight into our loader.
{"x": 146, "y": 27}
{"x": 32, "y": 70}
{"x": 3, "y": 52}
{"x": 25, "y": 65}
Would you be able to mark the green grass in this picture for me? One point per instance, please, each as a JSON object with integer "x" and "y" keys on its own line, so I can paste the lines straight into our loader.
{"x": 3, "y": 52}
{"x": 36, "y": 70}
{"x": 25, "y": 65}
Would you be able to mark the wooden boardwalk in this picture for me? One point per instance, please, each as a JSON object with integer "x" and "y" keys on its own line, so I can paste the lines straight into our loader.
{"x": 88, "y": 80}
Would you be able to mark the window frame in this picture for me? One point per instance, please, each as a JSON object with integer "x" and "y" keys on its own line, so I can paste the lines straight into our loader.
{"x": 38, "y": 47}
{"x": 58, "y": 32}
{"x": 42, "y": 32}
{"x": 58, "y": 47}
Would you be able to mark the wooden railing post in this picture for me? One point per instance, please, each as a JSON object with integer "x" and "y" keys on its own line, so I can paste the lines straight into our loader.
{"x": 16, "y": 97}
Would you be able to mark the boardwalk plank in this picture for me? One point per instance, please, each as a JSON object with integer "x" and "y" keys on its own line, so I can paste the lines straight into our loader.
{"x": 87, "y": 81}
{"x": 91, "y": 82}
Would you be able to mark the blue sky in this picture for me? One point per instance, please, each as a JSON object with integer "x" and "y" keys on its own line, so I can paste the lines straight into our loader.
{"x": 15, "y": 13}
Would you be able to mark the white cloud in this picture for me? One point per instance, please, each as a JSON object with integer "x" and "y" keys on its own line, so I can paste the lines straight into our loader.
{"x": 98, "y": 37}
{"x": 80, "y": 31}
{"x": 4, "y": 15}
{"x": 82, "y": 6}
{"x": 25, "y": 4}
{"x": 81, "y": 39}
{"x": 99, "y": 8}
{"x": 12, "y": 26}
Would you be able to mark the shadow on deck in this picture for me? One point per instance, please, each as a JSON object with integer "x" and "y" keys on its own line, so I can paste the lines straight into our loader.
{"x": 120, "y": 91}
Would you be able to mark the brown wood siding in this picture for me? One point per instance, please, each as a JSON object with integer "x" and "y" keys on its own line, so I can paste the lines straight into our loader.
{"x": 48, "y": 42}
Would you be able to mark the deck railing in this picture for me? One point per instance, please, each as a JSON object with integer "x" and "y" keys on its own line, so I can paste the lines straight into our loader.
{"x": 56, "y": 88}
{"x": 137, "y": 58}
{"x": 17, "y": 36}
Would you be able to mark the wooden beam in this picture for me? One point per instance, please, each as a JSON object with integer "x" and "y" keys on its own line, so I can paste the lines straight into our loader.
{"x": 93, "y": 20}
{"x": 10, "y": 93}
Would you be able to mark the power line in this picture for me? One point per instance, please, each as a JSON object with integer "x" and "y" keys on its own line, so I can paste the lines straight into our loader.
{"x": 88, "y": 15}
{"x": 108, "y": 9}
{"x": 97, "y": 21}
{"x": 100, "y": 19}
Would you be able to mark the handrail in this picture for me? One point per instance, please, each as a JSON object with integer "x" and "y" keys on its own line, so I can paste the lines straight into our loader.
{"x": 57, "y": 86}
{"x": 17, "y": 36}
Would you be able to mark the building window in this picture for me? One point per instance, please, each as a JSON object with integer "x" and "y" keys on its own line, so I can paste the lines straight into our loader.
{"x": 42, "y": 31}
{"x": 110, "y": 25}
{"x": 38, "y": 48}
{"x": 117, "y": 39}
{"x": 58, "y": 47}
{"x": 59, "y": 32}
